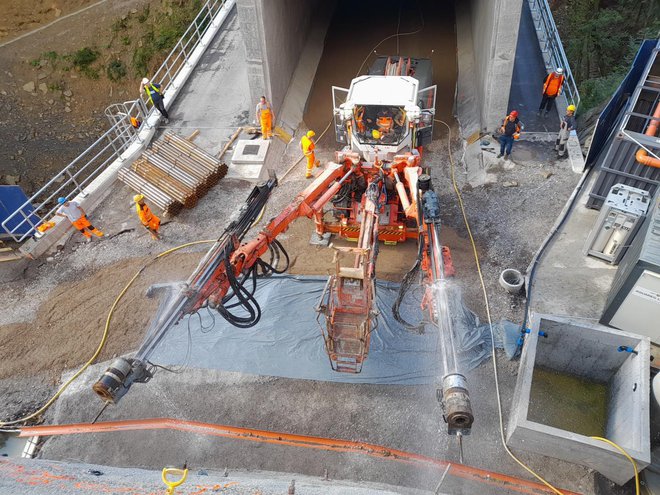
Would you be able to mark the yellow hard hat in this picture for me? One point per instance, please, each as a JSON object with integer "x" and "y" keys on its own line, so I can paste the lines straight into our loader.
{"x": 138, "y": 197}
{"x": 311, "y": 134}
{"x": 375, "y": 134}
{"x": 570, "y": 108}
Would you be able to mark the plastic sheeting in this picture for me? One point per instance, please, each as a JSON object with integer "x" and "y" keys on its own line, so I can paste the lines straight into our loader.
{"x": 287, "y": 341}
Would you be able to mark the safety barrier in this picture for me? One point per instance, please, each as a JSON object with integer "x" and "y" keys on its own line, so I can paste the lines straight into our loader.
{"x": 110, "y": 147}
{"x": 552, "y": 48}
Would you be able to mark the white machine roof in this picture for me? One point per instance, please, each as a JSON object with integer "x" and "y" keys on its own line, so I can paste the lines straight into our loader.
{"x": 383, "y": 90}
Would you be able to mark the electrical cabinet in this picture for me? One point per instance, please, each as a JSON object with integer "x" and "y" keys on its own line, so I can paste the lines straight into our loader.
{"x": 618, "y": 221}
{"x": 633, "y": 304}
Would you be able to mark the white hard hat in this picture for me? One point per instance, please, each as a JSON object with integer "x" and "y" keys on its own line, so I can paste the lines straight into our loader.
{"x": 145, "y": 80}
{"x": 559, "y": 70}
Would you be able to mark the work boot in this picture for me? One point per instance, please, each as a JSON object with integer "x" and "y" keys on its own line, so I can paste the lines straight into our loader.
{"x": 507, "y": 156}
{"x": 88, "y": 239}
{"x": 97, "y": 233}
{"x": 538, "y": 113}
{"x": 546, "y": 113}
{"x": 499, "y": 155}
{"x": 308, "y": 175}
{"x": 317, "y": 163}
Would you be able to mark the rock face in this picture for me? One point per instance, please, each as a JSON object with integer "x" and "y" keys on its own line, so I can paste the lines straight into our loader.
{"x": 29, "y": 87}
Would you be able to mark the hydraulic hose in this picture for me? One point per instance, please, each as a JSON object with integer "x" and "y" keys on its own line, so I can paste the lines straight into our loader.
{"x": 104, "y": 336}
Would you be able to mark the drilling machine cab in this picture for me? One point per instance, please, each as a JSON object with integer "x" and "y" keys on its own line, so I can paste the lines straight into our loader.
{"x": 387, "y": 112}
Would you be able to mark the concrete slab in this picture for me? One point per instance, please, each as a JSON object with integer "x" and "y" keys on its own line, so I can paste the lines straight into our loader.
{"x": 216, "y": 100}
{"x": 566, "y": 281}
{"x": 248, "y": 159}
{"x": 379, "y": 414}
{"x": 38, "y": 477}
{"x": 574, "y": 385}
{"x": 250, "y": 151}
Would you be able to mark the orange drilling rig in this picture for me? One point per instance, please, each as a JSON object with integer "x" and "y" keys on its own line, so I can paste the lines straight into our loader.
{"x": 375, "y": 190}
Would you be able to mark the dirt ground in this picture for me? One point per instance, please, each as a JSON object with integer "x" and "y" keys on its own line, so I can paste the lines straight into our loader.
{"x": 50, "y": 110}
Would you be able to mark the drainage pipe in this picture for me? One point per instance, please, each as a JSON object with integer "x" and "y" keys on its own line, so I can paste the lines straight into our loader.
{"x": 468, "y": 473}
{"x": 642, "y": 155}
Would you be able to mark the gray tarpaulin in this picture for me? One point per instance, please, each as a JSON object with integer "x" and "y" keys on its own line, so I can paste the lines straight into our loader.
{"x": 287, "y": 341}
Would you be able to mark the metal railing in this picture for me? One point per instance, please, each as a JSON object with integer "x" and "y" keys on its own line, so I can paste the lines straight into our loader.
{"x": 108, "y": 148}
{"x": 552, "y": 48}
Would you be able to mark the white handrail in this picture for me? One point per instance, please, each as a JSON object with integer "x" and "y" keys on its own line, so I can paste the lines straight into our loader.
{"x": 115, "y": 141}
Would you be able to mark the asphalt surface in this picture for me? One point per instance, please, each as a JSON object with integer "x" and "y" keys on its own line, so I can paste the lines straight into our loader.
{"x": 528, "y": 76}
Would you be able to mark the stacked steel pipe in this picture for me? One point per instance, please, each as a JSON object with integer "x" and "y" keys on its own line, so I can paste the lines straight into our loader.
{"x": 173, "y": 174}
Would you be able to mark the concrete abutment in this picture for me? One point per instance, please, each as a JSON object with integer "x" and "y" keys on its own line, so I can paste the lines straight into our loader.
{"x": 486, "y": 33}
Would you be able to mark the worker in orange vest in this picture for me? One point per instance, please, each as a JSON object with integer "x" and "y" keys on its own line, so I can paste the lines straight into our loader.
{"x": 552, "y": 86}
{"x": 77, "y": 216}
{"x": 510, "y": 131}
{"x": 265, "y": 117}
{"x": 148, "y": 219}
{"x": 308, "y": 146}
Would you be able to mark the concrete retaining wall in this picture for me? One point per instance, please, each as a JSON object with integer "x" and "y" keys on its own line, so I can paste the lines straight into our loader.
{"x": 494, "y": 33}
{"x": 274, "y": 34}
{"x": 590, "y": 352}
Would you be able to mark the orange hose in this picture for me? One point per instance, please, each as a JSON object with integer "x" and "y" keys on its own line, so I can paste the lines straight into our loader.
{"x": 642, "y": 155}
{"x": 305, "y": 441}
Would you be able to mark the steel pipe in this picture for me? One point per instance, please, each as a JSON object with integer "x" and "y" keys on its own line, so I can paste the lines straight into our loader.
{"x": 160, "y": 199}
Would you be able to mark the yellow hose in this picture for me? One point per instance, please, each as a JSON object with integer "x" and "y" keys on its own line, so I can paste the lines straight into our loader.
{"x": 490, "y": 322}
{"x": 104, "y": 337}
{"x": 632, "y": 461}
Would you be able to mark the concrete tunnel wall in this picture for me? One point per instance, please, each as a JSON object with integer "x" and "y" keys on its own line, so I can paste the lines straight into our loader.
{"x": 494, "y": 26}
{"x": 275, "y": 31}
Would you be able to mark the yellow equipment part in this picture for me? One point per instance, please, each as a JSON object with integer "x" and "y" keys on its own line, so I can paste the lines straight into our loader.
{"x": 172, "y": 484}
{"x": 282, "y": 134}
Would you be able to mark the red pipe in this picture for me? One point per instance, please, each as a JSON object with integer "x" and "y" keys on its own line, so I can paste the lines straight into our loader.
{"x": 330, "y": 444}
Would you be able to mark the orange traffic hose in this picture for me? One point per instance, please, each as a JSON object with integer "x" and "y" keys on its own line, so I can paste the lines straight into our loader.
{"x": 303, "y": 441}
{"x": 642, "y": 155}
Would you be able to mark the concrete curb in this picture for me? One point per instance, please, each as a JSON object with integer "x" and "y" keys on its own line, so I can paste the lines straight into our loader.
{"x": 100, "y": 188}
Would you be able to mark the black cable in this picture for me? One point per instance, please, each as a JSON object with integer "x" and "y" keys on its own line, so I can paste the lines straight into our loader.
{"x": 545, "y": 244}
{"x": 409, "y": 278}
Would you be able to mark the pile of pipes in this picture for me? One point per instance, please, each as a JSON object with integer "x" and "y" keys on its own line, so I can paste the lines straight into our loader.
{"x": 173, "y": 173}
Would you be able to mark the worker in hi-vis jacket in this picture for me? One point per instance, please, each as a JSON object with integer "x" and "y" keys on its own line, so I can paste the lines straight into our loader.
{"x": 265, "y": 118}
{"x": 308, "y": 146}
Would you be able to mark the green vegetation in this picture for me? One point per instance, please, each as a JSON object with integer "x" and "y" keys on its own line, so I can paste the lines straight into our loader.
{"x": 152, "y": 37}
{"x": 50, "y": 56}
{"x": 141, "y": 57}
{"x": 162, "y": 32}
{"x": 57, "y": 86}
{"x": 115, "y": 70}
{"x": 84, "y": 57}
{"x": 144, "y": 15}
{"x": 601, "y": 38}
{"x": 120, "y": 24}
